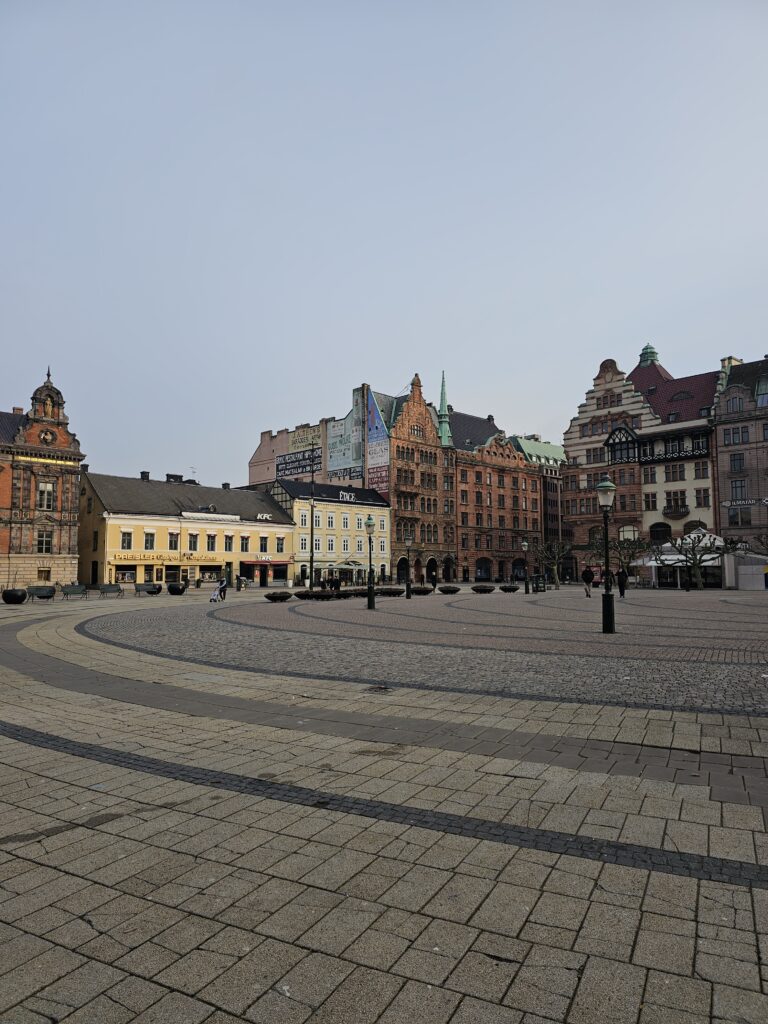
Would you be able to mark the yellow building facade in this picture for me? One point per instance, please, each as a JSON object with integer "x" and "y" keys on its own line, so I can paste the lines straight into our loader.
{"x": 150, "y": 531}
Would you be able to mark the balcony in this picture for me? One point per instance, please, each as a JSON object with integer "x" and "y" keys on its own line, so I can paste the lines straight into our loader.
{"x": 675, "y": 511}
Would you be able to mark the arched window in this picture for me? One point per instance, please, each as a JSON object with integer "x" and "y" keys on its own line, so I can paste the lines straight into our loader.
{"x": 660, "y": 533}
{"x": 693, "y": 524}
{"x": 595, "y": 534}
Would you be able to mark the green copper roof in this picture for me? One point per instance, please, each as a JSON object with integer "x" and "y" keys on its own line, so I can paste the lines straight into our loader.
{"x": 443, "y": 420}
{"x": 648, "y": 355}
{"x": 539, "y": 451}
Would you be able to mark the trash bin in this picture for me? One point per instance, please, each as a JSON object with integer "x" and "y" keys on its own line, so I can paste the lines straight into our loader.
{"x": 238, "y": 584}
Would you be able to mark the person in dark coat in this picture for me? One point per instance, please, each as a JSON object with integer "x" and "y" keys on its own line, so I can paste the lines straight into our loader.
{"x": 622, "y": 578}
{"x": 587, "y": 577}
{"x": 223, "y": 588}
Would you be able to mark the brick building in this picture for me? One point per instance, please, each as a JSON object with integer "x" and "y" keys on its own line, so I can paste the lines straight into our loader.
{"x": 741, "y": 431}
{"x": 39, "y": 492}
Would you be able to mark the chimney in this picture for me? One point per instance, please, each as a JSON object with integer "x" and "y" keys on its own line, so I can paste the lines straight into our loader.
{"x": 144, "y": 474}
{"x": 18, "y": 411}
{"x": 225, "y": 487}
{"x": 83, "y": 467}
{"x": 173, "y": 478}
{"x": 490, "y": 417}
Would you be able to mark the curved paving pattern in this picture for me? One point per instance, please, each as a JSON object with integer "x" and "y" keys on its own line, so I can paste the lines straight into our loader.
{"x": 709, "y": 653}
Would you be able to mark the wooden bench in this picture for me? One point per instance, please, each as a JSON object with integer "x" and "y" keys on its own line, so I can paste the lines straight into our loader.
{"x": 43, "y": 593}
{"x": 147, "y": 588}
{"x": 110, "y": 588}
{"x": 74, "y": 590}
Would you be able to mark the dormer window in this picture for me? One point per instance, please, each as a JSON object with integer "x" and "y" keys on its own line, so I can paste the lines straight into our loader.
{"x": 673, "y": 417}
{"x": 704, "y": 411}
{"x": 681, "y": 396}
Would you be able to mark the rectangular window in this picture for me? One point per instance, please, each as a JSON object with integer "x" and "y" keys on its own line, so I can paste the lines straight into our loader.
{"x": 345, "y": 545}
{"x": 675, "y": 499}
{"x": 280, "y": 542}
{"x": 701, "y": 470}
{"x": 502, "y": 522}
{"x": 126, "y": 541}
{"x": 737, "y": 462}
{"x": 672, "y": 446}
{"x": 478, "y": 497}
{"x": 245, "y": 543}
{"x": 359, "y": 522}
{"x": 727, "y": 435}
{"x": 45, "y": 497}
{"x": 331, "y": 543}
{"x": 738, "y": 489}
{"x": 501, "y": 500}
{"x": 303, "y": 520}
{"x": 739, "y": 516}
{"x": 263, "y": 545}
{"x": 702, "y": 497}
{"x": 45, "y": 542}
{"x": 149, "y": 542}
{"x": 674, "y": 471}
{"x": 317, "y": 520}
{"x": 317, "y": 544}
{"x": 173, "y": 542}
{"x": 345, "y": 522}
{"x": 744, "y": 435}
{"x": 95, "y": 540}
{"x": 382, "y": 524}
{"x": 210, "y": 542}
{"x": 649, "y": 474}
{"x": 359, "y": 545}
{"x": 304, "y": 544}
{"x": 382, "y": 545}
{"x": 193, "y": 542}
{"x": 331, "y": 521}
{"x": 228, "y": 542}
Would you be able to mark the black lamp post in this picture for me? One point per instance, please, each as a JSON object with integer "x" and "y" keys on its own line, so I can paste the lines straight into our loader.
{"x": 524, "y": 546}
{"x": 408, "y": 541}
{"x": 370, "y": 525}
{"x": 606, "y": 492}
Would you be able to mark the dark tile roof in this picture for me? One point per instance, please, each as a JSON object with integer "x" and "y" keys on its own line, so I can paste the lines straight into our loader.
{"x": 331, "y": 492}
{"x": 9, "y": 425}
{"x": 748, "y": 374}
{"x": 390, "y": 407}
{"x": 665, "y": 394}
{"x": 471, "y": 431}
{"x": 158, "y": 498}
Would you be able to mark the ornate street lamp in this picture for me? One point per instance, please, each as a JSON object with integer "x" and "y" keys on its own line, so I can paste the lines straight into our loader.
{"x": 370, "y": 525}
{"x": 408, "y": 542}
{"x": 606, "y": 493}
{"x": 524, "y": 546}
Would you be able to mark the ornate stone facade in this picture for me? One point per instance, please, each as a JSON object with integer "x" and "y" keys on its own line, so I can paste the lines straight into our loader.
{"x": 39, "y": 492}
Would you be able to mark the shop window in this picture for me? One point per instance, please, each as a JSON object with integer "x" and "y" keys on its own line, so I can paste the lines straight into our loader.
{"x": 739, "y": 516}
{"x": 45, "y": 497}
{"x": 126, "y": 540}
{"x": 149, "y": 542}
{"x": 44, "y": 542}
{"x": 245, "y": 543}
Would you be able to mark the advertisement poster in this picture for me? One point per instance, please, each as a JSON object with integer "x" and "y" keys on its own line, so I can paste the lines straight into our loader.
{"x": 378, "y": 437}
{"x": 378, "y": 479}
{"x": 340, "y": 443}
{"x": 299, "y": 463}
{"x": 304, "y": 437}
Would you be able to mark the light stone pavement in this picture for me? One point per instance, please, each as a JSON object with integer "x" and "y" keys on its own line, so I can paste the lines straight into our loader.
{"x": 190, "y": 836}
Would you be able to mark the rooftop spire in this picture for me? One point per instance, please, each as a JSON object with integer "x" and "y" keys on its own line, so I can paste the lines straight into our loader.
{"x": 48, "y": 376}
{"x": 648, "y": 355}
{"x": 443, "y": 419}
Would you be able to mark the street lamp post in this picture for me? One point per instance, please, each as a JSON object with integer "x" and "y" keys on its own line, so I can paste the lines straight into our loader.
{"x": 370, "y": 525}
{"x": 408, "y": 541}
{"x": 606, "y": 492}
{"x": 524, "y": 546}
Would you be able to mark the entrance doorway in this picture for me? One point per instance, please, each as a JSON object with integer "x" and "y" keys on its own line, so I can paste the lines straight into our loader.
{"x": 432, "y": 571}
{"x": 94, "y": 573}
{"x": 448, "y": 569}
{"x": 263, "y": 576}
{"x": 483, "y": 569}
{"x": 402, "y": 570}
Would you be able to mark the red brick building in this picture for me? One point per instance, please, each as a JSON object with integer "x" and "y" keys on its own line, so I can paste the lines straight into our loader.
{"x": 39, "y": 492}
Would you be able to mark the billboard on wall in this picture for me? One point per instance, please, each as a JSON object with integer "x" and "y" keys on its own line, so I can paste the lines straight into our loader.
{"x": 377, "y": 436}
{"x": 304, "y": 437}
{"x": 339, "y": 433}
{"x": 299, "y": 463}
{"x": 378, "y": 479}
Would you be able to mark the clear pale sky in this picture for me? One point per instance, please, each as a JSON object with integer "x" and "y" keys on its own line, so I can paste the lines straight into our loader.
{"x": 219, "y": 217}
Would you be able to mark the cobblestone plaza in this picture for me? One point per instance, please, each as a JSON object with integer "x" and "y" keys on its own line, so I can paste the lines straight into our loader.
{"x": 474, "y": 809}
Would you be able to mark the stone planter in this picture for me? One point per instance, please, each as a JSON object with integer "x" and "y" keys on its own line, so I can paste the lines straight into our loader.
{"x": 449, "y": 589}
{"x": 14, "y": 595}
{"x": 177, "y": 589}
{"x": 390, "y": 591}
{"x": 276, "y": 596}
{"x": 507, "y": 588}
{"x": 420, "y": 591}
{"x": 483, "y": 588}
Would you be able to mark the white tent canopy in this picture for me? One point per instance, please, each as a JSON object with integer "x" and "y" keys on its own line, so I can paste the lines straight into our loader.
{"x": 709, "y": 547}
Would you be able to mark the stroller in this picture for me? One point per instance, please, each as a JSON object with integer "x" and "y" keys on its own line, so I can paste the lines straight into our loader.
{"x": 216, "y": 595}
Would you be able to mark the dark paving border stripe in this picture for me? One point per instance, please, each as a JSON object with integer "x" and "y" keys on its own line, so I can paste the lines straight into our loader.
{"x": 713, "y": 869}
{"x": 503, "y": 691}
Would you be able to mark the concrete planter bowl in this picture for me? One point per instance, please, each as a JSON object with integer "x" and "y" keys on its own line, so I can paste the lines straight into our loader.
{"x": 177, "y": 589}
{"x": 449, "y": 589}
{"x": 483, "y": 588}
{"x": 314, "y": 595}
{"x": 420, "y": 591}
{"x": 276, "y": 596}
{"x": 507, "y": 588}
{"x": 390, "y": 591}
{"x": 14, "y": 595}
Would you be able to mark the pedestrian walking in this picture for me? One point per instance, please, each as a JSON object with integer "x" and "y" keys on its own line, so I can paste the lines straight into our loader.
{"x": 587, "y": 577}
{"x": 622, "y": 579}
{"x": 223, "y": 588}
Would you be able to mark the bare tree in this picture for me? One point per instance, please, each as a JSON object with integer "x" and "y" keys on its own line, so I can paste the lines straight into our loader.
{"x": 627, "y": 550}
{"x": 696, "y": 550}
{"x": 551, "y": 554}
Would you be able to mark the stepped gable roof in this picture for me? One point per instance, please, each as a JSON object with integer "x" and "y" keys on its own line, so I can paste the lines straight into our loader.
{"x": 666, "y": 394}
{"x": 748, "y": 374}
{"x": 9, "y": 425}
{"x": 331, "y": 492}
{"x": 158, "y": 498}
{"x": 469, "y": 432}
